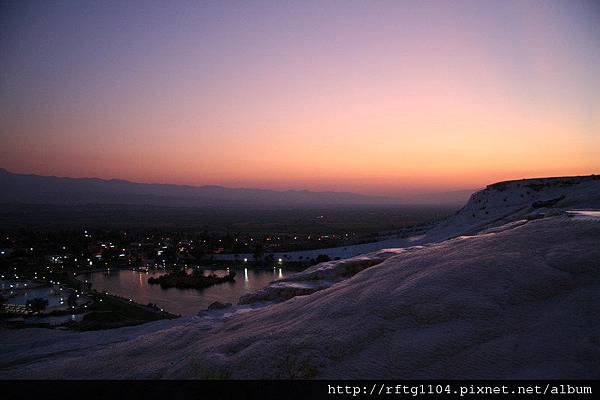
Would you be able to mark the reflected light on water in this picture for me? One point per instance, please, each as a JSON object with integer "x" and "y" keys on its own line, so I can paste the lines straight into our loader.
{"x": 134, "y": 284}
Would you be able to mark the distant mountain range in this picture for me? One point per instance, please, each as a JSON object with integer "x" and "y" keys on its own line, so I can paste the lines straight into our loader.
{"x": 37, "y": 189}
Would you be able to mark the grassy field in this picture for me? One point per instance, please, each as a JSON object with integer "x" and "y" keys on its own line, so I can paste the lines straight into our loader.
{"x": 115, "y": 312}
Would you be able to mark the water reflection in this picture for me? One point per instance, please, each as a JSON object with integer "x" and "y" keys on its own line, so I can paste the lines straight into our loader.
{"x": 134, "y": 285}
{"x": 50, "y": 293}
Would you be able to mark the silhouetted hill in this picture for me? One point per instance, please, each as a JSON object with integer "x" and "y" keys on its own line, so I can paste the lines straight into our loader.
{"x": 36, "y": 189}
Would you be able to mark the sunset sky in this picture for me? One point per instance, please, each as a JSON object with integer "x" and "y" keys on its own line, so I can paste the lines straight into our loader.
{"x": 371, "y": 96}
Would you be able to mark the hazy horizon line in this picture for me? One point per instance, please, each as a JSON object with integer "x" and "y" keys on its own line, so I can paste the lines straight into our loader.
{"x": 225, "y": 186}
{"x": 274, "y": 189}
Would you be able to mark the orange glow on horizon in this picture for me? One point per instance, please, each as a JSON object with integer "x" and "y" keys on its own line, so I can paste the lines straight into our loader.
{"x": 380, "y": 99}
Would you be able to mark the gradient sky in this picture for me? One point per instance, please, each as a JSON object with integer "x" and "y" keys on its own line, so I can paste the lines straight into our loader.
{"x": 373, "y": 97}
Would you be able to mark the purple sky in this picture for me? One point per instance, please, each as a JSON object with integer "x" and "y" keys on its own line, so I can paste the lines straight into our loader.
{"x": 373, "y": 96}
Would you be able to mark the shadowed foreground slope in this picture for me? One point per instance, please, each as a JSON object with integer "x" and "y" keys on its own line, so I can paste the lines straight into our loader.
{"x": 519, "y": 302}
